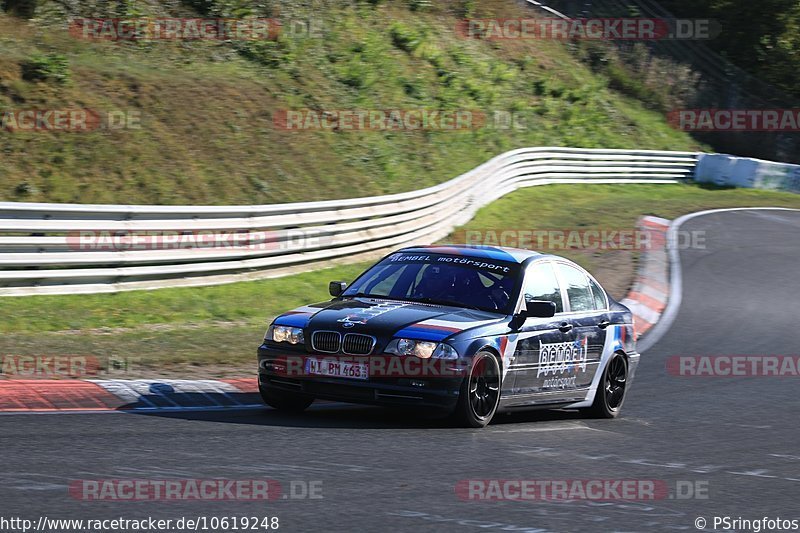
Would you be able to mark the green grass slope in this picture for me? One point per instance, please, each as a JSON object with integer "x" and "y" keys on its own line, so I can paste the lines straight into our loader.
{"x": 207, "y": 134}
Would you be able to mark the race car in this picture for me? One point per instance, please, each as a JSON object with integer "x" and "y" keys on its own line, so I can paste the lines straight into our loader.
{"x": 463, "y": 331}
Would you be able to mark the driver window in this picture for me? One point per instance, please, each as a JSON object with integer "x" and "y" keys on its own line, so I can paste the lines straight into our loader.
{"x": 541, "y": 284}
{"x": 599, "y": 295}
{"x": 578, "y": 291}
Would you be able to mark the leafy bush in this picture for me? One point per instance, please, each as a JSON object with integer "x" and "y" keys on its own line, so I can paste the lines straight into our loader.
{"x": 404, "y": 37}
{"x": 49, "y": 67}
{"x": 233, "y": 8}
{"x": 20, "y": 8}
{"x": 467, "y": 8}
{"x": 357, "y": 73}
{"x": 268, "y": 53}
{"x": 419, "y": 5}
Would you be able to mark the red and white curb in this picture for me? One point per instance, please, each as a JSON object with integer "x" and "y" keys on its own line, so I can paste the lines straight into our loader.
{"x": 650, "y": 292}
{"x": 17, "y": 395}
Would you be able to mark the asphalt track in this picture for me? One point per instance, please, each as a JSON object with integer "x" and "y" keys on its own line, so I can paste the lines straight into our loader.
{"x": 383, "y": 471}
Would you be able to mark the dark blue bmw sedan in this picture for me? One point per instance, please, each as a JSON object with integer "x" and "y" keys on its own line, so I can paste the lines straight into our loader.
{"x": 467, "y": 331}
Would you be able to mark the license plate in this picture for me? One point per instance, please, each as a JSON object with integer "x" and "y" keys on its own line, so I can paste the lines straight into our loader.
{"x": 339, "y": 369}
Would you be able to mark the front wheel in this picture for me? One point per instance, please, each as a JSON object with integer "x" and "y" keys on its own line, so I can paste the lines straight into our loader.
{"x": 611, "y": 390}
{"x": 480, "y": 392}
{"x": 293, "y": 402}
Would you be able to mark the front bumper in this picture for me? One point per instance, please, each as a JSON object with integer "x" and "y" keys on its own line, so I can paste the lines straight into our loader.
{"x": 430, "y": 391}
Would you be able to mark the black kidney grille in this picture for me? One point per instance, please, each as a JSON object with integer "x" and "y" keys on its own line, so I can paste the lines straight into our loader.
{"x": 357, "y": 344}
{"x": 326, "y": 341}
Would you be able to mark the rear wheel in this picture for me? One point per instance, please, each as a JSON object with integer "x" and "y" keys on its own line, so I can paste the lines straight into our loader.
{"x": 611, "y": 390}
{"x": 293, "y": 402}
{"x": 480, "y": 392}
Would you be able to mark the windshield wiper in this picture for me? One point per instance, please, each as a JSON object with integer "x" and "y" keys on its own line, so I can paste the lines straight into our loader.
{"x": 447, "y": 303}
{"x": 423, "y": 300}
{"x": 364, "y": 295}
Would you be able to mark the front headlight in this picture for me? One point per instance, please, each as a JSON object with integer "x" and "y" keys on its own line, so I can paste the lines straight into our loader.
{"x": 285, "y": 334}
{"x": 421, "y": 349}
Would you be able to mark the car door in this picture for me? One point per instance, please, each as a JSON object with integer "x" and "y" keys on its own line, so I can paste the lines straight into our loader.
{"x": 540, "y": 341}
{"x": 589, "y": 319}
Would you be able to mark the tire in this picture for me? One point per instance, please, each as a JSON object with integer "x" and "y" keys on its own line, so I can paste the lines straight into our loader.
{"x": 290, "y": 402}
{"x": 480, "y": 392}
{"x": 612, "y": 389}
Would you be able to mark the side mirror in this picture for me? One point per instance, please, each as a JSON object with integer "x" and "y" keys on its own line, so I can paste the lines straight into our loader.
{"x": 336, "y": 288}
{"x": 538, "y": 309}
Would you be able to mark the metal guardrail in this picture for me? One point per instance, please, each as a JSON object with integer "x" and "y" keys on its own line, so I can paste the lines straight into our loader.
{"x": 41, "y": 251}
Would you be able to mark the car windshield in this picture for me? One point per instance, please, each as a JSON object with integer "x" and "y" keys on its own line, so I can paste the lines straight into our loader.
{"x": 472, "y": 282}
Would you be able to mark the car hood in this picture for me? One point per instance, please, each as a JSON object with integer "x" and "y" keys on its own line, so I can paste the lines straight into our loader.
{"x": 387, "y": 318}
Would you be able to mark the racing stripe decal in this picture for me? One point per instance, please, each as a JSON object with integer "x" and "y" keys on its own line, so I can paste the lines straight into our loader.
{"x": 503, "y": 345}
{"x": 437, "y": 330}
{"x": 427, "y": 332}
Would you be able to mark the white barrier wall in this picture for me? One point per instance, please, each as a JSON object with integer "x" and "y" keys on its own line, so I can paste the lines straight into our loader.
{"x": 43, "y": 247}
{"x": 43, "y": 250}
{"x": 722, "y": 169}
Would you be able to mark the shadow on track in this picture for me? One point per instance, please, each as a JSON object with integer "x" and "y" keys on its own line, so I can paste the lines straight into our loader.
{"x": 347, "y": 416}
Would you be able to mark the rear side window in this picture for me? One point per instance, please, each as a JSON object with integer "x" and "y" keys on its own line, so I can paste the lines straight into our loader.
{"x": 599, "y": 295}
{"x": 577, "y": 285}
{"x": 541, "y": 284}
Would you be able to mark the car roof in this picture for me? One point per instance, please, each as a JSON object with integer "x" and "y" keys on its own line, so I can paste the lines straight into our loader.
{"x": 498, "y": 253}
